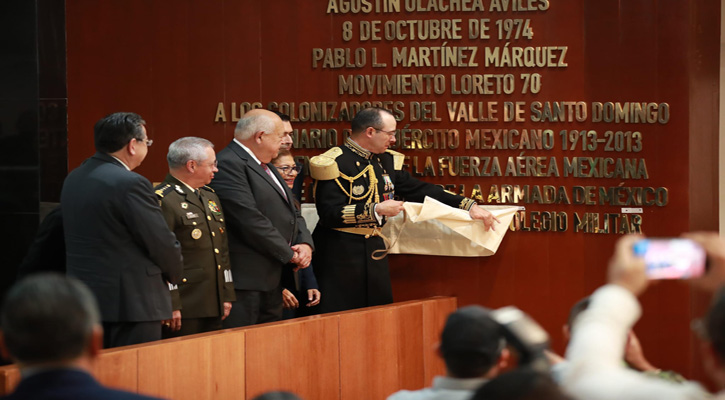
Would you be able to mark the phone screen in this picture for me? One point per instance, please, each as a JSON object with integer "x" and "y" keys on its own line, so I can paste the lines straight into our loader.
{"x": 671, "y": 258}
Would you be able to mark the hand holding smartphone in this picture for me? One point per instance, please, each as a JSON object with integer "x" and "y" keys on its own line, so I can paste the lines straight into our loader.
{"x": 671, "y": 258}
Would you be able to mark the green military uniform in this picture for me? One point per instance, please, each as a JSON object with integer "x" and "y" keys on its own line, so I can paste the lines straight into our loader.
{"x": 198, "y": 223}
{"x": 349, "y": 182}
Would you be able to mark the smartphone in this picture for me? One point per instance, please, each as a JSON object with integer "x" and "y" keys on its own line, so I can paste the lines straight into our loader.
{"x": 673, "y": 258}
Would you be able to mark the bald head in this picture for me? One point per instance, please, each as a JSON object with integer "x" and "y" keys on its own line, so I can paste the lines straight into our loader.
{"x": 256, "y": 121}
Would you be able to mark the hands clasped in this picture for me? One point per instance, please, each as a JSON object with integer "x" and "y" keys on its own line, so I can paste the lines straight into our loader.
{"x": 302, "y": 256}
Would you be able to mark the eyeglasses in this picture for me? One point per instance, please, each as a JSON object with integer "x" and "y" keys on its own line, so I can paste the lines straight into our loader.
{"x": 390, "y": 133}
{"x": 287, "y": 169}
{"x": 148, "y": 142}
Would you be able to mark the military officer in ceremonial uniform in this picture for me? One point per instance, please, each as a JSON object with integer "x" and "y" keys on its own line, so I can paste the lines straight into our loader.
{"x": 355, "y": 189}
{"x": 192, "y": 210}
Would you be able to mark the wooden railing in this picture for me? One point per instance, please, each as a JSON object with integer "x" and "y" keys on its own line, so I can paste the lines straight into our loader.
{"x": 353, "y": 355}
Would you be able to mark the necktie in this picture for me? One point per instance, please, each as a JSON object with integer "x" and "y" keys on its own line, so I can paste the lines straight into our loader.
{"x": 274, "y": 178}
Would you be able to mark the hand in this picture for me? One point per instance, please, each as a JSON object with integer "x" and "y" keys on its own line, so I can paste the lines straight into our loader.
{"x": 313, "y": 295}
{"x": 174, "y": 323}
{"x": 626, "y": 269}
{"x": 634, "y": 356}
{"x": 488, "y": 219}
{"x": 303, "y": 255}
{"x": 389, "y": 208}
{"x": 227, "y": 309}
{"x": 289, "y": 300}
{"x": 714, "y": 246}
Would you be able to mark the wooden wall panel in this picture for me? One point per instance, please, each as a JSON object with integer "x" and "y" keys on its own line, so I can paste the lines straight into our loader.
{"x": 9, "y": 378}
{"x": 370, "y": 353}
{"x": 435, "y": 314}
{"x": 411, "y": 346}
{"x": 118, "y": 369}
{"x": 302, "y": 357}
{"x": 179, "y": 369}
{"x": 228, "y": 354}
{"x": 362, "y": 354}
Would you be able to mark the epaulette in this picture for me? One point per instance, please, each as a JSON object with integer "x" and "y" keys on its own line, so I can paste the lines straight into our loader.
{"x": 161, "y": 191}
{"x": 398, "y": 159}
{"x": 324, "y": 166}
{"x": 208, "y": 188}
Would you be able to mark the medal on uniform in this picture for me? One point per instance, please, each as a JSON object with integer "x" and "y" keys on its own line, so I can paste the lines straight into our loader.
{"x": 184, "y": 205}
{"x": 389, "y": 187}
{"x": 196, "y": 233}
{"x": 221, "y": 229}
{"x": 191, "y": 215}
{"x": 213, "y": 207}
{"x": 357, "y": 190}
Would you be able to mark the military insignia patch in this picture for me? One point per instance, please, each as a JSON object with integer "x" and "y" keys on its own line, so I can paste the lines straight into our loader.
{"x": 178, "y": 189}
{"x": 213, "y": 207}
{"x": 191, "y": 215}
{"x": 184, "y": 205}
{"x": 357, "y": 190}
{"x": 196, "y": 234}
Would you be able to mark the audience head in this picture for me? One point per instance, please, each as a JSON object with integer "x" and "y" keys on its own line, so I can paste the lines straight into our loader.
{"x": 374, "y": 129}
{"x": 287, "y": 167}
{"x": 50, "y": 319}
{"x": 287, "y": 139}
{"x": 712, "y": 333}
{"x": 574, "y": 312}
{"x": 472, "y": 344}
{"x": 123, "y": 134}
{"x": 277, "y": 396}
{"x": 262, "y": 132}
{"x": 192, "y": 160}
{"x": 520, "y": 384}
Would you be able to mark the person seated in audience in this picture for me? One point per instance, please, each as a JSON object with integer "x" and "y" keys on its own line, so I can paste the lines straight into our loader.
{"x": 521, "y": 384}
{"x": 51, "y": 328}
{"x": 304, "y": 279}
{"x": 633, "y": 354}
{"x": 474, "y": 351}
{"x": 594, "y": 355}
{"x": 277, "y": 396}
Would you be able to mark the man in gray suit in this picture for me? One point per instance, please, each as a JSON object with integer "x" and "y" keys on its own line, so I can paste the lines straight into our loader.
{"x": 117, "y": 241}
{"x": 266, "y": 231}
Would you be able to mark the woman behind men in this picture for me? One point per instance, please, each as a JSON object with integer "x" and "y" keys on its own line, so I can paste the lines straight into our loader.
{"x": 303, "y": 279}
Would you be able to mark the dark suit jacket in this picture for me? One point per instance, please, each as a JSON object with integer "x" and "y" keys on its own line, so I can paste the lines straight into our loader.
{"x": 262, "y": 224}
{"x": 47, "y": 253}
{"x": 67, "y": 384}
{"x": 117, "y": 241}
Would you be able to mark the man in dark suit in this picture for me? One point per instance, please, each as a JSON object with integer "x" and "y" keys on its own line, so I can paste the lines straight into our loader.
{"x": 51, "y": 329}
{"x": 193, "y": 212}
{"x": 117, "y": 241}
{"x": 266, "y": 231}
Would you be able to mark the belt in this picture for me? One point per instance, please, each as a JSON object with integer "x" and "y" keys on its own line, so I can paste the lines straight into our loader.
{"x": 368, "y": 233}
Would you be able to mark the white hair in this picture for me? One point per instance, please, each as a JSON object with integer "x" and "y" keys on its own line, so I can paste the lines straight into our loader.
{"x": 187, "y": 148}
{"x": 248, "y": 125}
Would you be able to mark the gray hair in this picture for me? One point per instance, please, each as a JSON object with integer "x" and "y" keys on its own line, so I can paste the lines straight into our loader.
{"x": 48, "y": 317}
{"x": 248, "y": 125}
{"x": 187, "y": 148}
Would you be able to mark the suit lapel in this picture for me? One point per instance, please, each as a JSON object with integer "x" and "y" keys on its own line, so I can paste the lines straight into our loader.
{"x": 254, "y": 166}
